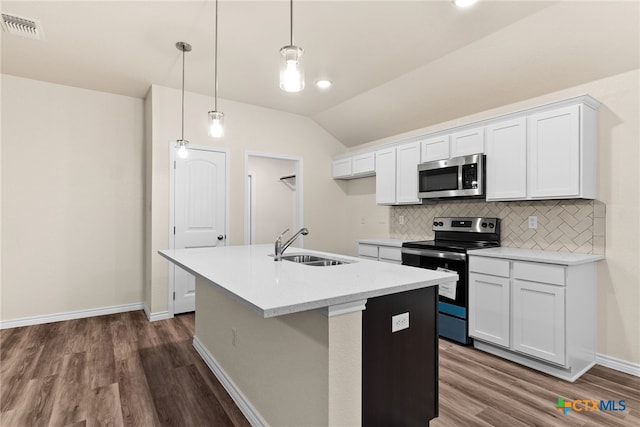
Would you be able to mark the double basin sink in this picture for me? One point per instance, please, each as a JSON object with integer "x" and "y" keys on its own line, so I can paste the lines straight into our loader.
{"x": 313, "y": 260}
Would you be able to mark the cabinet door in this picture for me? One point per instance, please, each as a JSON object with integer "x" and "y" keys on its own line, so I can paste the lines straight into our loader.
{"x": 489, "y": 308}
{"x": 467, "y": 142}
{"x": 386, "y": 176}
{"x": 342, "y": 168}
{"x": 554, "y": 153}
{"x": 538, "y": 320}
{"x": 434, "y": 149}
{"x": 364, "y": 164}
{"x": 507, "y": 160}
{"x": 408, "y": 157}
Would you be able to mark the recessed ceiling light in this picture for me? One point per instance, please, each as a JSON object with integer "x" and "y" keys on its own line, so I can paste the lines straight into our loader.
{"x": 464, "y": 3}
{"x": 323, "y": 84}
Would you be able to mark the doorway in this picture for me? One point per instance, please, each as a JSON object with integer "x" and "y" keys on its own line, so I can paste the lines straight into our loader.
{"x": 274, "y": 195}
{"x": 198, "y": 209}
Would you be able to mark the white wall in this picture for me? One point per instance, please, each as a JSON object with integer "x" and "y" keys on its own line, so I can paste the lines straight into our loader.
{"x": 247, "y": 128}
{"x": 72, "y": 198}
{"x": 274, "y": 201}
{"x": 618, "y": 156}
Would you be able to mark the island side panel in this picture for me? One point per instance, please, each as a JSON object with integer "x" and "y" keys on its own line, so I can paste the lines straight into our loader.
{"x": 345, "y": 369}
{"x": 400, "y": 369}
{"x": 280, "y": 364}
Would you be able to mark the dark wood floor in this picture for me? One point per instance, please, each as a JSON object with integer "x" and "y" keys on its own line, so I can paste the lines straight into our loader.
{"x": 121, "y": 370}
{"x": 116, "y": 370}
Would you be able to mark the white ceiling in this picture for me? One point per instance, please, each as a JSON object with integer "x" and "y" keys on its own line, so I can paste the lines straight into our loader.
{"x": 396, "y": 65}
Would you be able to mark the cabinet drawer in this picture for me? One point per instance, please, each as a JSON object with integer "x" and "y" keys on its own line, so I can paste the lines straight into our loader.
{"x": 368, "y": 250}
{"x": 493, "y": 266}
{"x": 388, "y": 253}
{"x": 536, "y": 272}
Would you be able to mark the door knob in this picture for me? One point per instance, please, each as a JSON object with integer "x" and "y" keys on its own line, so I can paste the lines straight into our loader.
{"x": 220, "y": 237}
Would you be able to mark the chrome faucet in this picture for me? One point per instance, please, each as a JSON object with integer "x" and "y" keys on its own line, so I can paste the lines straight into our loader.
{"x": 281, "y": 247}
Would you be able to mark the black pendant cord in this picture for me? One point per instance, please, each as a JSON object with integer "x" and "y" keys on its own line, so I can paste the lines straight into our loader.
{"x": 291, "y": 23}
{"x": 183, "y": 49}
{"x": 215, "y": 71}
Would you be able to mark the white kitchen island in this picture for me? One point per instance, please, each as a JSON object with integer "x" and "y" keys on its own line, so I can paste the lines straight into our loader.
{"x": 284, "y": 338}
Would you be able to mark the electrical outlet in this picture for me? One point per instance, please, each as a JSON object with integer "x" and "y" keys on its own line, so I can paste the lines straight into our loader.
{"x": 399, "y": 322}
{"x": 234, "y": 337}
{"x": 533, "y": 222}
{"x": 401, "y": 219}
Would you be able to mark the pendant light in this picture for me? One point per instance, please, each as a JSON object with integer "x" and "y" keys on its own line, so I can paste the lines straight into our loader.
{"x": 216, "y": 118}
{"x": 291, "y": 71}
{"x": 182, "y": 143}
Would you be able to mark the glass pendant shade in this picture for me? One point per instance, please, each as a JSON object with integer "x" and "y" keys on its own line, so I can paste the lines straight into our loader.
{"x": 291, "y": 70}
{"x": 216, "y": 124}
{"x": 182, "y": 150}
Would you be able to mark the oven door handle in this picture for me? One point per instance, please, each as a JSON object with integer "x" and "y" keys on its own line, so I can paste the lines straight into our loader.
{"x": 435, "y": 254}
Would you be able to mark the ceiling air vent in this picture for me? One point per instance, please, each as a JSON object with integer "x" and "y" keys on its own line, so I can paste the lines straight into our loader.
{"x": 19, "y": 26}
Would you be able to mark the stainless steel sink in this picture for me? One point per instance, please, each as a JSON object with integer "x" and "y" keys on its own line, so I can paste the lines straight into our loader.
{"x": 302, "y": 258}
{"x": 313, "y": 260}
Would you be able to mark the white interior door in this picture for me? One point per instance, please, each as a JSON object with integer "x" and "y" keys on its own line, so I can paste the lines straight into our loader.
{"x": 199, "y": 213}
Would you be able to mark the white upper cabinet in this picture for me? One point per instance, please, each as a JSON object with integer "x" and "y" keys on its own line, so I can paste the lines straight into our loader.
{"x": 434, "y": 149}
{"x": 466, "y": 142}
{"x": 407, "y": 159}
{"x": 546, "y": 152}
{"x": 560, "y": 154}
{"x": 386, "y": 176}
{"x": 507, "y": 160}
{"x": 364, "y": 164}
{"x": 397, "y": 174}
{"x": 356, "y": 166}
{"x": 342, "y": 168}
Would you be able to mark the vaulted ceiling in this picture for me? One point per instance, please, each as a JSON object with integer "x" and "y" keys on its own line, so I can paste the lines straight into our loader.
{"x": 396, "y": 65}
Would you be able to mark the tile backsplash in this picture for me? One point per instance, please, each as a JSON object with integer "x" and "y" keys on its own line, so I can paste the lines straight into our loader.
{"x": 563, "y": 225}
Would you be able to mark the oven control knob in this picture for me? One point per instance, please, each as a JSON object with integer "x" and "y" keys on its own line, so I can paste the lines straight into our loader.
{"x": 484, "y": 225}
{"x": 435, "y": 223}
{"x": 491, "y": 225}
{"x": 441, "y": 223}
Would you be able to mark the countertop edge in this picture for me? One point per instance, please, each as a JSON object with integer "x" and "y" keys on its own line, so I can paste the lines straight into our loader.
{"x": 547, "y": 257}
{"x": 319, "y": 304}
{"x": 395, "y": 243}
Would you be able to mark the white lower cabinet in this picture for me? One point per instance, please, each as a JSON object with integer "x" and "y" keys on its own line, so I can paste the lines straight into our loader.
{"x": 383, "y": 250}
{"x": 538, "y": 320}
{"x": 489, "y": 295}
{"x": 538, "y": 314}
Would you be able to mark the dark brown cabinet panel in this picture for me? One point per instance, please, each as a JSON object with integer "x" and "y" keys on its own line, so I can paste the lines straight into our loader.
{"x": 400, "y": 369}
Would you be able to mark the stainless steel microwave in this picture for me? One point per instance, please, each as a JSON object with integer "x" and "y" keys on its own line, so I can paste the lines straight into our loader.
{"x": 455, "y": 177}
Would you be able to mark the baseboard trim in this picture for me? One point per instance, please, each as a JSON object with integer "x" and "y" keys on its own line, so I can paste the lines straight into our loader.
{"x": 618, "y": 364}
{"x": 69, "y": 315}
{"x": 160, "y": 315}
{"x": 247, "y": 409}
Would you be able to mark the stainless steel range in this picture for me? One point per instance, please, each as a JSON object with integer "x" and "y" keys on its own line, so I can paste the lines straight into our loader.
{"x": 448, "y": 251}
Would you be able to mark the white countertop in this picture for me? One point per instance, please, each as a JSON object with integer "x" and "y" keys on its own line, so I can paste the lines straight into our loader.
{"x": 382, "y": 242}
{"x": 251, "y": 276}
{"x": 549, "y": 257}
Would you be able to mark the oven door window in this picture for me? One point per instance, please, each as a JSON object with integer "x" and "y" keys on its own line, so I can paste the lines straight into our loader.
{"x": 438, "y": 179}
